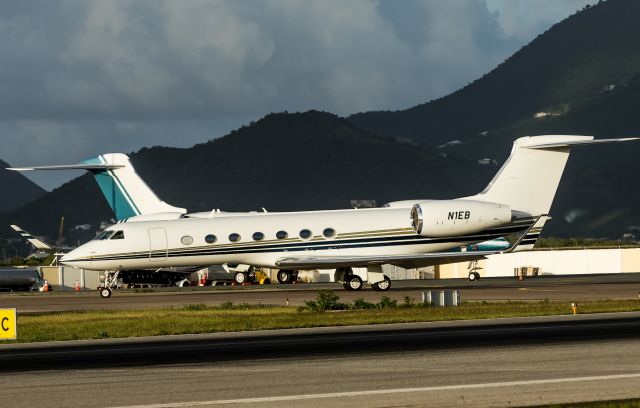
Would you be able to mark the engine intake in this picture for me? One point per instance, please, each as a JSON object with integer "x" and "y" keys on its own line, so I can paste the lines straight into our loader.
{"x": 443, "y": 218}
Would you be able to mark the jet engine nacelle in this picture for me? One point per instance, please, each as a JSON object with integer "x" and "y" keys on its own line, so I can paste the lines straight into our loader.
{"x": 446, "y": 218}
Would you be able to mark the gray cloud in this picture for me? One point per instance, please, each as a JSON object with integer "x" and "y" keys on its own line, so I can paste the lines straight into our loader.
{"x": 82, "y": 77}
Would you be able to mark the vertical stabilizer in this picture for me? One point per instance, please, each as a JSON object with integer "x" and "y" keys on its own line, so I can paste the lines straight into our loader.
{"x": 126, "y": 193}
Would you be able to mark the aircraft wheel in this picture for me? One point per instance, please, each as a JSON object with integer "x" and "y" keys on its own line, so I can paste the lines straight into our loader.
{"x": 354, "y": 283}
{"x": 474, "y": 276}
{"x": 240, "y": 277}
{"x": 382, "y": 286}
{"x": 105, "y": 293}
{"x": 284, "y": 277}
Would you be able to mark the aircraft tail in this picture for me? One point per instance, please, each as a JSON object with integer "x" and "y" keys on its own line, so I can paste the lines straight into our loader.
{"x": 529, "y": 178}
{"x": 126, "y": 193}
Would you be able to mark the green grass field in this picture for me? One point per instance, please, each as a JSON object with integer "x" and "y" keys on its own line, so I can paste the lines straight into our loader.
{"x": 225, "y": 318}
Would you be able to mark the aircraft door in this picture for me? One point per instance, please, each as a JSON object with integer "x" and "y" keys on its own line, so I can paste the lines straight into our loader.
{"x": 157, "y": 244}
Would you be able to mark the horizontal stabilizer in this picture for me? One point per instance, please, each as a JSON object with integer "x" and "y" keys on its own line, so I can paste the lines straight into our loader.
{"x": 70, "y": 167}
{"x": 569, "y": 143}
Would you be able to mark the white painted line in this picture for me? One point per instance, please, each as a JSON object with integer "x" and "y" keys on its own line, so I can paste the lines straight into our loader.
{"x": 380, "y": 392}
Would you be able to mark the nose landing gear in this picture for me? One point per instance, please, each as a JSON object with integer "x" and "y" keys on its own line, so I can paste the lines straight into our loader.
{"x": 110, "y": 282}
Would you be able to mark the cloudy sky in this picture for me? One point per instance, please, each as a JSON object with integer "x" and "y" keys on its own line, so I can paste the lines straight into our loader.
{"x": 83, "y": 77}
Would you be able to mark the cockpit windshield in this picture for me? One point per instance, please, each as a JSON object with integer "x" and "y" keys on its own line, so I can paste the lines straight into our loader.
{"x": 104, "y": 235}
{"x": 118, "y": 235}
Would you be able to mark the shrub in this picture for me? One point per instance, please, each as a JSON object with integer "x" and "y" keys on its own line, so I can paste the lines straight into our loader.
{"x": 362, "y": 304}
{"x": 198, "y": 306}
{"x": 385, "y": 303}
{"x": 326, "y": 300}
{"x": 408, "y": 302}
{"x": 226, "y": 305}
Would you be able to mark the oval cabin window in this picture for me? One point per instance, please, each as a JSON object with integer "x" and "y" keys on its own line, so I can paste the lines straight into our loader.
{"x": 305, "y": 234}
{"x": 258, "y": 236}
{"x": 282, "y": 235}
{"x": 210, "y": 239}
{"x": 187, "y": 240}
{"x": 329, "y": 233}
{"x": 234, "y": 237}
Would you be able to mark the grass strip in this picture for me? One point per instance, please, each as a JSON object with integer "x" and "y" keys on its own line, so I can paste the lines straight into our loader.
{"x": 227, "y": 317}
{"x": 630, "y": 403}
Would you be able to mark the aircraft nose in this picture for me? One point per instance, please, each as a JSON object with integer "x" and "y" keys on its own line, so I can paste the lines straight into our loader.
{"x": 75, "y": 258}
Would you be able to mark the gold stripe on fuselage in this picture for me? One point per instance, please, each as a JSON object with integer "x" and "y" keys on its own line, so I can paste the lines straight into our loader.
{"x": 399, "y": 232}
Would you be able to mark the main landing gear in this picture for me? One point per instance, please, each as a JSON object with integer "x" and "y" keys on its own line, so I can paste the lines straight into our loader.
{"x": 287, "y": 276}
{"x": 383, "y": 285}
{"x": 354, "y": 281}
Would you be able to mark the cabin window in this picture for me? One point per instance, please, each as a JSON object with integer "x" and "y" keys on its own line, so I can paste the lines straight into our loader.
{"x": 187, "y": 240}
{"x": 118, "y": 235}
{"x": 234, "y": 237}
{"x": 210, "y": 239}
{"x": 305, "y": 234}
{"x": 282, "y": 235}
{"x": 104, "y": 235}
{"x": 258, "y": 236}
{"x": 329, "y": 233}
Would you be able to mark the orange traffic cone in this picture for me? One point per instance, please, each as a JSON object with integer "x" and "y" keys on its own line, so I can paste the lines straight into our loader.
{"x": 77, "y": 287}
{"x": 45, "y": 287}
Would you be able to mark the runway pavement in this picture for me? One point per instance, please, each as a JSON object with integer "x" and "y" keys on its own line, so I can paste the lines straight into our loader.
{"x": 500, "y": 362}
{"x": 574, "y": 288}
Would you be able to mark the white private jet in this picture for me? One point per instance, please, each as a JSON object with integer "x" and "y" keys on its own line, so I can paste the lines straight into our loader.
{"x": 410, "y": 233}
{"x": 131, "y": 200}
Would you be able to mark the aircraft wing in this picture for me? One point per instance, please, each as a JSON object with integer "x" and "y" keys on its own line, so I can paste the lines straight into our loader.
{"x": 405, "y": 261}
{"x": 33, "y": 240}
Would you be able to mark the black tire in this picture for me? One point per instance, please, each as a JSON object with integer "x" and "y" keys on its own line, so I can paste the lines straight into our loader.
{"x": 354, "y": 283}
{"x": 382, "y": 286}
{"x": 240, "y": 278}
{"x": 105, "y": 293}
{"x": 284, "y": 277}
{"x": 474, "y": 276}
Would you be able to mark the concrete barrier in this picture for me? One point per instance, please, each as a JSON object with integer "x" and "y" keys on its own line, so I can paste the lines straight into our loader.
{"x": 441, "y": 298}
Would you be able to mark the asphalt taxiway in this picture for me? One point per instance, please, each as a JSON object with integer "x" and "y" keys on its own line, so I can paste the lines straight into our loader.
{"x": 498, "y": 362}
{"x": 562, "y": 288}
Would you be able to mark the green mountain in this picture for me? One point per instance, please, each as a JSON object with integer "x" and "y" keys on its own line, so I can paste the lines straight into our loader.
{"x": 16, "y": 189}
{"x": 582, "y": 76}
{"x": 301, "y": 161}
{"x": 577, "y": 59}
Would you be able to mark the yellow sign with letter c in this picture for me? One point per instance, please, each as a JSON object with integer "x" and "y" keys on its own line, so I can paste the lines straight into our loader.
{"x": 8, "y": 324}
